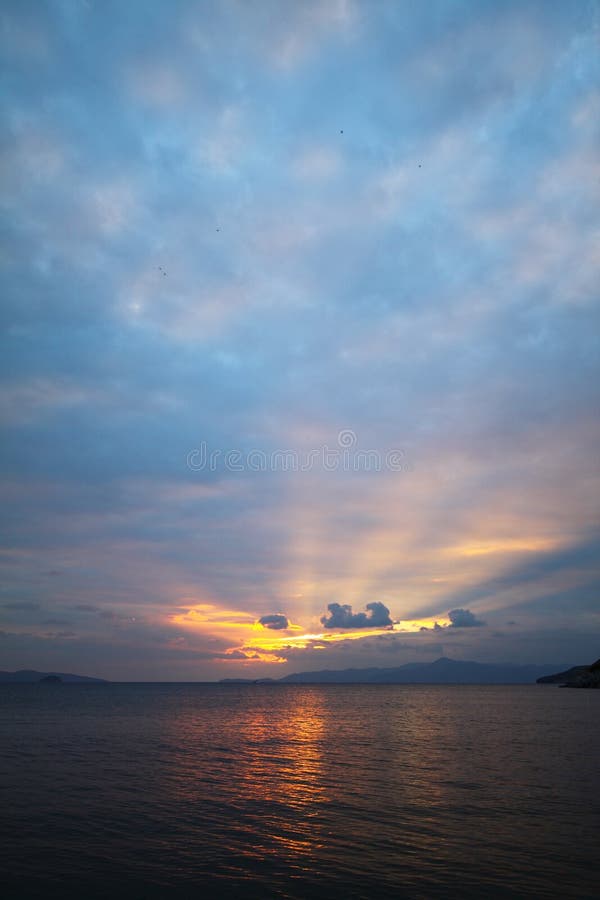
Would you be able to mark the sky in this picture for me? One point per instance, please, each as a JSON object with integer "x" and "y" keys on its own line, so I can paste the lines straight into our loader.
{"x": 299, "y": 335}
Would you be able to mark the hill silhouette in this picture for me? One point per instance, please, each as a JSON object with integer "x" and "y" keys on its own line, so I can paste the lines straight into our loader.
{"x": 30, "y": 676}
{"x": 577, "y": 676}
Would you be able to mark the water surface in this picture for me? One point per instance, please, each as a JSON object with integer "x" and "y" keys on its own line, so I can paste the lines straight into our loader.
{"x": 299, "y": 791}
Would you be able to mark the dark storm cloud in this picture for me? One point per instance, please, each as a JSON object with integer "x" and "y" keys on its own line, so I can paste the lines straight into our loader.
{"x": 276, "y": 621}
{"x": 463, "y": 618}
{"x": 341, "y": 616}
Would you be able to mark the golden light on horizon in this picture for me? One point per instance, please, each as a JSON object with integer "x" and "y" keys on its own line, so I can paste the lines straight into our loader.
{"x": 257, "y": 643}
{"x": 252, "y": 642}
{"x": 415, "y": 625}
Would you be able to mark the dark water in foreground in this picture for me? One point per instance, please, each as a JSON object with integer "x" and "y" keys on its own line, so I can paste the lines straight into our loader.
{"x": 298, "y": 791}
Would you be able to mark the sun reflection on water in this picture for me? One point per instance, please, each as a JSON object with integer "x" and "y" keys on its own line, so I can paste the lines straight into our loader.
{"x": 267, "y": 759}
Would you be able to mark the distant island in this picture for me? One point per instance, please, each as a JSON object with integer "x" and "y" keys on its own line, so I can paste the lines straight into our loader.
{"x": 442, "y": 671}
{"x": 576, "y": 677}
{"x": 30, "y": 676}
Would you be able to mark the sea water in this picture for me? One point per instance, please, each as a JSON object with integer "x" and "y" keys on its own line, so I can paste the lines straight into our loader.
{"x": 299, "y": 791}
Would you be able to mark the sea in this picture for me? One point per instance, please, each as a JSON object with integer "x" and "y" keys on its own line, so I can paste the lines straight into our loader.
{"x": 299, "y": 791}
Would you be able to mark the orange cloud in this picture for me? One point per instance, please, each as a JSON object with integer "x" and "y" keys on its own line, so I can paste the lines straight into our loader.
{"x": 502, "y": 545}
{"x": 210, "y": 617}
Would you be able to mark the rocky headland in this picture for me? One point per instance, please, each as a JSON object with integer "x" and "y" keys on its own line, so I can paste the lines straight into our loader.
{"x": 577, "y": 677}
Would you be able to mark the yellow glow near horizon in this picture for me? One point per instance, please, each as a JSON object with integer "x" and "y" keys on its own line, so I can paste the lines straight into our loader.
{"x": 256, "y": 643}
{"x": 265, "y": 644}
{"x": 301, "y": 641}
{"x": 414, "y": 625}
{"x": 503, "y": 545}
{"x": 278, "y": 642}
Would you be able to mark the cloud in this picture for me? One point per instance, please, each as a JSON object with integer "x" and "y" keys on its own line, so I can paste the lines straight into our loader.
{"x": 58, "y": 635}
{"x": 463, "y": 618}
{"x": 22, "y": 605}
{"x": 239, "y": 654}
{"x": 316, "y": 163}
{"x": 459, "y": 618}
{"x": 341, "y": 616}
{"x": 275, "y": 621}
